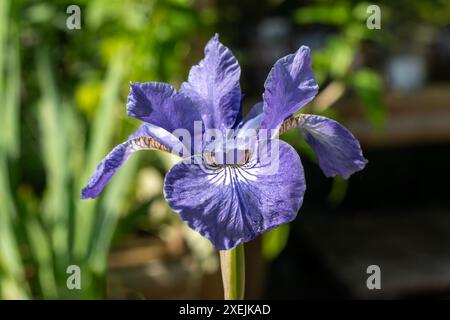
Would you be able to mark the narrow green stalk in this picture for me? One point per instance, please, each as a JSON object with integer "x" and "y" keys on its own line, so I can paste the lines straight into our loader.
{"x": 232, "y": 264}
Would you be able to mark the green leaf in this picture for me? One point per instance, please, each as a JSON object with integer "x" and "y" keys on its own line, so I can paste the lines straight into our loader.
{"x": 100, "y": 141}
{"x": 42, "y": 253}
{"x": 341, "y": 55}
{"x": 324, "y": 14}
{"x": 109, "y": 214}
{"x": 4, "y": 23}
{"x": 9, "y": 135}
{"x": 10, "y": 261}
{"x": 338, "y": 191}
{"x": 54, "y": 153}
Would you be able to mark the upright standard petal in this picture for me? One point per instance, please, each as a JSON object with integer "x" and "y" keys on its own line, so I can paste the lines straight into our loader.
{"x": 140, "y": 140}
{"x": 338, "y": 152}
{"x": 233, "y": 204}
{"x": 289, "y": 86}
{"x": 159, "y": 104}
{"x": 213, "y": 85}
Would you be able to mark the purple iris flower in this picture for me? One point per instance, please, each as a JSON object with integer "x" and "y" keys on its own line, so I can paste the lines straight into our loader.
{"x": 231, "y": 202}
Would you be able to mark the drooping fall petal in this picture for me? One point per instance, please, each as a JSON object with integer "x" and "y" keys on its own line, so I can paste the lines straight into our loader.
{"x": 234, "y": 204}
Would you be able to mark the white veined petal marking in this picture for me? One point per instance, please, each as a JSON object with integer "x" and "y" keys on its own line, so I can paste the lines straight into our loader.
{"x": 225, "y": 174}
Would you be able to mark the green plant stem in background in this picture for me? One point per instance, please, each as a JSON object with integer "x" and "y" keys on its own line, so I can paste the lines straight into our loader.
{"x": 232, "y": 264}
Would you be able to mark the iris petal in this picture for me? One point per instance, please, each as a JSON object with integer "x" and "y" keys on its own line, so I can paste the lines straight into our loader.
{"x": 251, "y": 122}
{"x": 255, "y": 111}
{"x": 289, "y": 86}
{"x": 338, "y": 151}
{"x": 214, "y": 87}
{"x": 234, "y": 204}
{"x": 106, "y": 169}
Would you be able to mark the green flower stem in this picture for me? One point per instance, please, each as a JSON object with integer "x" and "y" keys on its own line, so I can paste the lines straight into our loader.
{"x": 232, "y": 264}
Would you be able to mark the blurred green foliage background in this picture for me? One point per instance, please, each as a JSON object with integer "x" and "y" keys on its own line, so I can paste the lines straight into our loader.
{"x": 62, "y": 107}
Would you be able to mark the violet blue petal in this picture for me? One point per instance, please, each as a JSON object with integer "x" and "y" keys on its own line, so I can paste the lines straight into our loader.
{"x": 230, "y": 205}
{"x": 213, "y": 85}
{"x": 338, "y": 151}
{"x": 159, "y": 104}
{"x": 106, "y": 169}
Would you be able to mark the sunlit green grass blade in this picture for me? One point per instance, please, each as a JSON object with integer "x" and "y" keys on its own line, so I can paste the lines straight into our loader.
{"x": 39, "y": 244}
{"x": 11, "y": 289}
{"x": 42, "y": 254}
{"x": 4, "y": 9}
{"x": 76, "y": 133}
{"x": 12, "y": 278}
{"x": 368, "y": 85}
{"x": 9, "y": 135}
{"x": 110, "y": 209}
{"x": 274, "y": 241}
{"x": 99, "y": 144}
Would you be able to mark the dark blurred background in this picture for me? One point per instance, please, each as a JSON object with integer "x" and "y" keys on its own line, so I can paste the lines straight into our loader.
{"x": 63, "y": 95}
